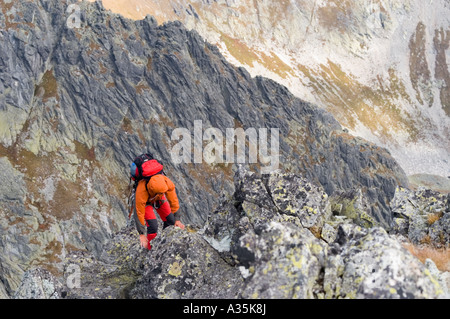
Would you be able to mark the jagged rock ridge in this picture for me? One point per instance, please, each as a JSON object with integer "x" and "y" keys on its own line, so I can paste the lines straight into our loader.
{"x": 260, "y": 243}
{"x": 381, "y": 67}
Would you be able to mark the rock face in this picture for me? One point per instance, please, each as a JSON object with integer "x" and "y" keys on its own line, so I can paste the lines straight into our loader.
{"x": 380, "y": 67}
{"x": 262, "y": 242}
{"x": 83, "y": 91}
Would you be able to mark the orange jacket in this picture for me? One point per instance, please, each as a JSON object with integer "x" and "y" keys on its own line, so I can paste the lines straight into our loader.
{"x": 157, "y": 186}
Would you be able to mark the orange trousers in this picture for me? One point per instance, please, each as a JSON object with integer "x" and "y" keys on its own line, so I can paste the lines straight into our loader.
{"x": 162, "y": 208}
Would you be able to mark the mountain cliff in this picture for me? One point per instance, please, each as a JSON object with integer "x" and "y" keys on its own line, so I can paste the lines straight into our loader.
{"x": 380, "y": 67}
{"x": 84, "y": 90}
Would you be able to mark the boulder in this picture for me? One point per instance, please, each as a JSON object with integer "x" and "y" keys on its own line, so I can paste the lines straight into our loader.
{"x": 423, "y": 216}
{"x": 369, "y": 264}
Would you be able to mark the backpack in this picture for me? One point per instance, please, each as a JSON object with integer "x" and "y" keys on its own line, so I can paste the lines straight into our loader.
{"x": 144, "y": 167}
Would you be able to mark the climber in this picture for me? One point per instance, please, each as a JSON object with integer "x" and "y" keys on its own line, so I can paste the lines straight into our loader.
{"x": 154, "y": 195}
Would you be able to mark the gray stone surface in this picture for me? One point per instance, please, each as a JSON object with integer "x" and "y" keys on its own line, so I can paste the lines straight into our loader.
{"x": 239, "y": 253}
{"x": 422, "y": 216}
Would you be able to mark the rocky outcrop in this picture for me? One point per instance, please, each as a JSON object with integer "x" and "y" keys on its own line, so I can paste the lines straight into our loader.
{"x": 39, "y": 284}
{"x": 423, "y": 216}
{"x": 84, "y": 91}
{"x": 265, "y": 241}
{"x": 274, "y": 244}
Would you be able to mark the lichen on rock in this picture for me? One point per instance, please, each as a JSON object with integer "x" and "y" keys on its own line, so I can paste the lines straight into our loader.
{"x": 422, "y": 216}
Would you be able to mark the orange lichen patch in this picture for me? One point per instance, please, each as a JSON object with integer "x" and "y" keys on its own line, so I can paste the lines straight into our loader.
{"x": 11, "y": 21}
{"x": 110, "y": 85}
{"x": 68, "y": 195}
{"x": 127, "y": 126}
{"x": 29, "y": 163}
{"x": 36, "y": 170}
{"x": 440, "y": 256}
{"x": 141, "y": 87}
{"x": 94, "y": 46}
{"x": 51, "y": 257}
{"x": 48, "y": 88}
{"x": 65, "y": 200}
{"x": 434, "y": 217}
{"x": 84, "y": 152}
{"x": 163, "y": 120}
